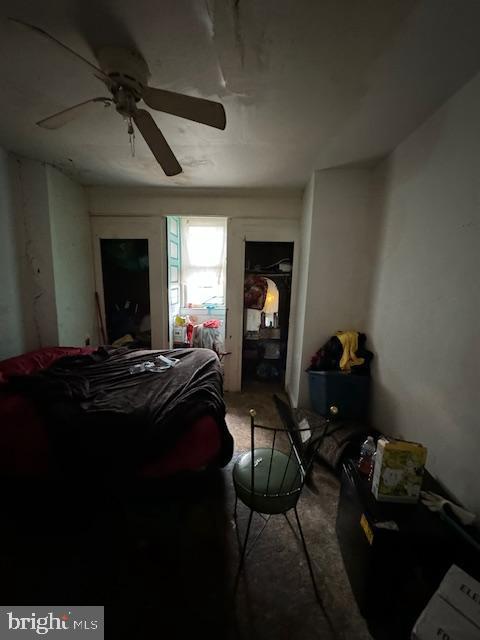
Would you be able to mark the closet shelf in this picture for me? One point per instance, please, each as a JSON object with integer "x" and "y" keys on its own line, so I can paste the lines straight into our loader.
{"x": 268, "y": 274}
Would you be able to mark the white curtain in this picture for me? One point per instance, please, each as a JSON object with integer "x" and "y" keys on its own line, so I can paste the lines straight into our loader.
{"x": 203, "y": 260}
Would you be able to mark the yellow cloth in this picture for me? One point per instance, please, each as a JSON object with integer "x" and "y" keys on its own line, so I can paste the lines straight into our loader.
{"x": 349, "y": 340}
{"x": 181, "y": 321}
{"x": 123, "y": 341}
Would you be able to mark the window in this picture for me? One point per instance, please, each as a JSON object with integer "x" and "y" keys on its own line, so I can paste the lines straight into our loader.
{"x": 203, "y": 261}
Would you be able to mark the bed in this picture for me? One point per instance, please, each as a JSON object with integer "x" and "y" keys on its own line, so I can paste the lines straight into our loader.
{"x": 82, "y": 409}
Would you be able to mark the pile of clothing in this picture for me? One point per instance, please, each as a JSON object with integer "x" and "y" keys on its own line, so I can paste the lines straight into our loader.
{"x": 344, "y": 351}
{"x": 208, "y": 335}
{"x": 255, "y": 292}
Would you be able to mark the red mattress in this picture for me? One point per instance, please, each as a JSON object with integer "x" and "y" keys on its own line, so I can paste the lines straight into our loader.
{"x": 24, "y": 448}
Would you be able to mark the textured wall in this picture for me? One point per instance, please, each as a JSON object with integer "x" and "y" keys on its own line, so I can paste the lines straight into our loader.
{"x": 34, "y": 246}
{"x": 12, "y": 337}
{"x": 46, "y": 281}
{"x": 72, "y": 260}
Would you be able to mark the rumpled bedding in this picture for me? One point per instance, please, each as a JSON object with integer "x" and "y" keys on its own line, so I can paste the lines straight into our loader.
{"x": 97, "y": 408}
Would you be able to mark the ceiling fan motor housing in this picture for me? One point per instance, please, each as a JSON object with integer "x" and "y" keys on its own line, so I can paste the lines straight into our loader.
{"x": 125, "y": 68}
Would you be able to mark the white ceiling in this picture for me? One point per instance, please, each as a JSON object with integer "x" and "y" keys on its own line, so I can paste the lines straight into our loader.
{"x": 305, "y": 83}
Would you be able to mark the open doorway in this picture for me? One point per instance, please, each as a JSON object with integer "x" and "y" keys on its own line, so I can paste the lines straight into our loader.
{"x": 126, "y": 289}
{"x": 196, "y": 254}
{"x": 267, "y": 294}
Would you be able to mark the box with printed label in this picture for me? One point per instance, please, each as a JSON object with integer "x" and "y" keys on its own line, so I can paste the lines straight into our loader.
{"x": 463, "y": 592}
{"x": 453, "y": 613}
{"x": 398, "y": 471}
{"x": 440, "y": 621}
{"x": 179, "y": 334}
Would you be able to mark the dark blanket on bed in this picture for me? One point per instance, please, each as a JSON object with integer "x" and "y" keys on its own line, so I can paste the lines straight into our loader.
{"x": 94, "y": 405}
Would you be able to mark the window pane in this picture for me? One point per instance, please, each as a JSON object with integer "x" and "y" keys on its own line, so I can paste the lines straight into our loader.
{"x": 205, "y": 246}
{"x": 203, "y": 261}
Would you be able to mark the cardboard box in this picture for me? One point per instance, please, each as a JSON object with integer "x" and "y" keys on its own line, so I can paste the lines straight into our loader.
{"x": 398, "y": 472}
{"x": 440, "y": 621}
{"x": 453, "y": 612}
{"x": 179, "y": 334}
{"x": 462, "y": 592}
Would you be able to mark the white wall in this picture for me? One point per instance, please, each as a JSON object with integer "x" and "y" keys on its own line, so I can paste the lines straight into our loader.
{"x": 12, "y": 330}
{"x": 339, "y": 232}
{"x": 72, "y": 260}
{"x": 296, "y": 373}
{"x": 426, "y": 300}
{"x": 194, "y": 202}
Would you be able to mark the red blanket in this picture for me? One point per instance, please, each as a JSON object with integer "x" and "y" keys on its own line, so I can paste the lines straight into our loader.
{"x": 24, "y": 443}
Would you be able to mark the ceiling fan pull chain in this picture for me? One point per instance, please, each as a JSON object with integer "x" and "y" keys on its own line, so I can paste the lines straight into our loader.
{"x": 131, "y": 133}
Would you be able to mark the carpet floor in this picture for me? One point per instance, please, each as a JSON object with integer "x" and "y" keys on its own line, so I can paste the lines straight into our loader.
{"x": 276, "y": 597}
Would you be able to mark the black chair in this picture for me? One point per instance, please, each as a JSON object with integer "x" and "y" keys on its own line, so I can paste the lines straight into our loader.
{"x": 269, "y": 479}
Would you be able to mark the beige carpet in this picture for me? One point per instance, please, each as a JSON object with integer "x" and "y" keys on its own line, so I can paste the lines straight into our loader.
{"x": 275, "y": 598}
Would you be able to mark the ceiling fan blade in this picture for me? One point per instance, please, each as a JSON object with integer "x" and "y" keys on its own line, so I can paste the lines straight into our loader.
{"x": 98, "y": 72}
{"x": 63, "y": 117}
{"x": 178, "y": 104}
{"x": 157, "y": 143}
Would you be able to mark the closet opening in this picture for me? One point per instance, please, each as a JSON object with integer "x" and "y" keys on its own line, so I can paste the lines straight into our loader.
{"x": 126, "y": 290}
{"x": 196, "y": 255}
{"x": 267, "y": 293}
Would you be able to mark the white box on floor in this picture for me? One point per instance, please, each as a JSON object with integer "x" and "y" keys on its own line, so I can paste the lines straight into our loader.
{"x": 440, "y": 621}
{"x": 453, "y": 612}
{"x": 462, "y": 592}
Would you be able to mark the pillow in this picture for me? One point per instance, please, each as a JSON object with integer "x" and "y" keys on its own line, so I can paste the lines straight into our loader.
{"x": 34, "y": 361}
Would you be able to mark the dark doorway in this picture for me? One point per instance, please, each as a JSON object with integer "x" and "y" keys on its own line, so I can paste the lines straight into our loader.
{"x": 126, "y": 290}
{"x": 267, "y": 292}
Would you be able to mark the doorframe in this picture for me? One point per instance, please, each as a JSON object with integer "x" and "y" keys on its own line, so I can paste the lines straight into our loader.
{"x": 239, "y": 231}
{"x": 139, "y": 227}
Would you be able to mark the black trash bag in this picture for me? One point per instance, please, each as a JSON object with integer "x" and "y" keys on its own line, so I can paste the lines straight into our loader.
{"x": 328, "y": 357}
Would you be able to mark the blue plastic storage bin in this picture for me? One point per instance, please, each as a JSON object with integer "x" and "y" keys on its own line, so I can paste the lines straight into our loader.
{"x": 349, "y": 392}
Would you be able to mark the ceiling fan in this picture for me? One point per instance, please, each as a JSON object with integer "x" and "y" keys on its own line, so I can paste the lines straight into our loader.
{"x": 125, "y": 74}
